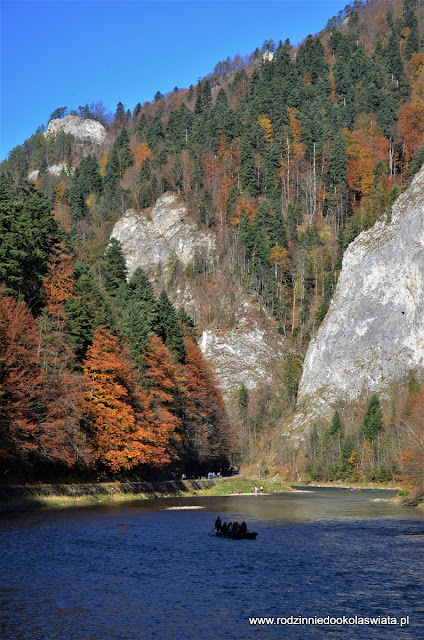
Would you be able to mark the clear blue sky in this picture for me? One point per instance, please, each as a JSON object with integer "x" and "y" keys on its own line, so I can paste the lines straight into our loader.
{"x": 69, "y": 53}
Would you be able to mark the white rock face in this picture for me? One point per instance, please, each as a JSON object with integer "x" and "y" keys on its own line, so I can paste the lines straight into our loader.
{"x": 55, "y": 170}
{"x": 167, "y": 233}
{"x": 249, "y": 353}
{"x": 373, "y": 334}
{"x": 78, "y": 127}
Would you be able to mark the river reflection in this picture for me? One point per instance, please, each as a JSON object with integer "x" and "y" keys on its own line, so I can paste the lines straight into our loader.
{"x": 141, "y": 571}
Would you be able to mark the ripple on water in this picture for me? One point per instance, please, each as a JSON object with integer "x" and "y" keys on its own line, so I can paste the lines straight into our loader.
{"x": 144, "y": 573}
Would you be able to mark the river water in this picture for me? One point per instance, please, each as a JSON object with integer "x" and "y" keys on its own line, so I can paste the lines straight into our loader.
{"x": 143, "y": 571}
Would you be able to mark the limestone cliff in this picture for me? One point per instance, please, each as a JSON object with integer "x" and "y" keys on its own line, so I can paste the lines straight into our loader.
{"x": 240, "y": 340}
{"x": 155, "y": 239}
{"x": 373, "y": 334}
{"x": 79, "y": 127}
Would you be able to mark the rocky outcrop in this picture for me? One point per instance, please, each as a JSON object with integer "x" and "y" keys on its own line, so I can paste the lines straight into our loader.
{"x": 250, "y": 353}
{"x": 79, "y": 127}
{"x": 244, "y": 349}
{"x": 373, "y": 334}
{"x": 154, "y": 240}
{"x": 54, "y": 170}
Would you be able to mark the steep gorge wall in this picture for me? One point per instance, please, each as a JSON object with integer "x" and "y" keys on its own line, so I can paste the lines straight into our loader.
{"x": 373, "y": 334}
{"x": 248, "y": 349}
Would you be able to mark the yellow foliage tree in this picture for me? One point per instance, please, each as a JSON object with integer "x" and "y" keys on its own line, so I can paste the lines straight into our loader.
{"x": 141, "y": 153}
{"x": 266, "y": 125}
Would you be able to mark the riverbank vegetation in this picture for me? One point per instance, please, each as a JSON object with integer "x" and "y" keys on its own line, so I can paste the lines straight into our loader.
{"x": 383, "y": 446}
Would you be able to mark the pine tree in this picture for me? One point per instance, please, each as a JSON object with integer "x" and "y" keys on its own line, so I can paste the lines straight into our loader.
{"x": 337, "y": 165}
{"x": 168, "y": 328}
{"x": 116, "y": 267}
{"x": 372, "y": 423}
{"x": 85, "y": 310}
{"x": 243, "y": 397}
{"x": 140, "y": 317}
{"x": 124, "y": 153}
{"x": 28, "y": 234}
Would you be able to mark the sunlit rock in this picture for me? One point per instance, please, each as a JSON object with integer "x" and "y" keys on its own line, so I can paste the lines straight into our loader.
{"x": 373, "y": 334}
{"x": 79, "y": 127}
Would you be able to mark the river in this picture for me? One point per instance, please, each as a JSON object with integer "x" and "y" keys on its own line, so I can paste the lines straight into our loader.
{"x": 144, "y": 571}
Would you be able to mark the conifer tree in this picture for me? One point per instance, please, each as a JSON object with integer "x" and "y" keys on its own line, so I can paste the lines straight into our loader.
{"x": 168, "y": 328}
{"x": 85, "y": 310}
{"x": 116, "y": 267}
{"x": 28, "y": 234}
{"x": 372, "y": 423}
{"x": 337, "y": 165}
{"x": 140, "y": 317}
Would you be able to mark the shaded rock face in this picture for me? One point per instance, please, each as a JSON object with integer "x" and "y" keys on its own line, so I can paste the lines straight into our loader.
{"x": 167, "y": 233}
{"x": 249, "y": 353}
{"x": 373, "y": 334}
{"x": 79, "y": 127}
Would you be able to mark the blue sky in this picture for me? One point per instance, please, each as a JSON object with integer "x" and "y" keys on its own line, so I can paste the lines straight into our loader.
{"x": 69, "y": 53}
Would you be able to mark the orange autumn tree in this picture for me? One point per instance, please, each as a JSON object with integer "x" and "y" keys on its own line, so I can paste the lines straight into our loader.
{"x": 366, "y": 147}
{"x": 30, "y": 431}
{"x": 59, "y": 284}
{"x": 66, "y": 383}
{"x": 410, "y": 129}
{"x": 122, "y": 420}
{"x": 141, "y": 153}
{"x": 411, "y": 458}
{"x": 207, "y": 432}
{"x": 162, "y": 383}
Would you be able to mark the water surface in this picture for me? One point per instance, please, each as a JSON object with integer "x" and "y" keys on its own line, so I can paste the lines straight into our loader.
{"x": 141, "y": 571}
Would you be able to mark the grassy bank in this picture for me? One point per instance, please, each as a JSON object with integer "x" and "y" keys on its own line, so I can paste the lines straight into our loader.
{"x": 30, "y": 497}
{"x": 62, "y": 496}
{"x": 63, "y": 502}
{"x": 230, "y": 486}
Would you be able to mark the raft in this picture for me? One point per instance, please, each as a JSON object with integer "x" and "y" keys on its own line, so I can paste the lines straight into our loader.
{"x": 248, "y": 535}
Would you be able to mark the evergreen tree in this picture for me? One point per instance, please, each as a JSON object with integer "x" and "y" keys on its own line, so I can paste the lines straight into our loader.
{"x": 124, "y": 153}
{"x": 291, "y": 376}
{"x": 120, "y": 113}
{"x": 372, "y": 423}
{"x": 243, "y": 397}
{"x": 116, "y": 267}
{"x": 29, "y": 233}
{"x": 337, "y": 164}
{"x": 85, "y": 310}
{"x": 168, "y": 328}
{"x": 247, "y": 164}
{"x": 140, "y": 316}
{"x": 336, "y": 427}
{"x": 85, "y": 181}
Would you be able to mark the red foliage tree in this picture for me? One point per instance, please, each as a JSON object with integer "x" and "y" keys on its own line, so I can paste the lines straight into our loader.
{"x": 59, "y": 284}
{"x": 162, "y": 381}
{"x": 31, "y": 429}
{"x": 123, "y": 422}
{"x": 207, "y": 431}
{"x": 410, "y": 129}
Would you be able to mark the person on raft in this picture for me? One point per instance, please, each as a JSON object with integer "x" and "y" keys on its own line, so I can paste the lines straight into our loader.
{"x": 218, "y": 524}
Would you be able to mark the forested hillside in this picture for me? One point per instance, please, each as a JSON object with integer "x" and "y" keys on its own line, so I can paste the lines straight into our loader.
{"x": 287, "y": 154}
